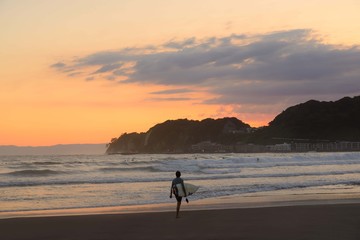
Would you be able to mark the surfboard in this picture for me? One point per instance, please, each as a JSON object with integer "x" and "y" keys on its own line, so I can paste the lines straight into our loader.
{"x": 190, "y": 189}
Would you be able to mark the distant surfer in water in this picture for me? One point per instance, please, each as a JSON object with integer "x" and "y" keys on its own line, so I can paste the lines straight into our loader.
{"x": 173, "y": 189}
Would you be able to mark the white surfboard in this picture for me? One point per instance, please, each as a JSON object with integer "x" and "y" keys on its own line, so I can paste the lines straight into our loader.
{"x": 190, "y": 189}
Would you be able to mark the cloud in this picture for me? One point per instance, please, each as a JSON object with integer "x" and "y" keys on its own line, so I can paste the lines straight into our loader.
{"x": 180, "y": 44}
{"x": 177, "y": 99}
{"x": 111, "y": 77}
{"x": 173, "y": 91}
{"x": 108, "y": 67}
{"x": 58, "y": 65}
{"x": 261, "y": 69}
{"x": 74, "y": 74}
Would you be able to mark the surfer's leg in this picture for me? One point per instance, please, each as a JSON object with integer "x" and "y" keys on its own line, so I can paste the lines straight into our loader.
{"x": 178, "y": 209}
{"x": 178, "y": 204}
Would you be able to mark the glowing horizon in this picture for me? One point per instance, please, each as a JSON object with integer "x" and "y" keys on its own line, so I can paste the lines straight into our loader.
{"x": 88, "y": 70}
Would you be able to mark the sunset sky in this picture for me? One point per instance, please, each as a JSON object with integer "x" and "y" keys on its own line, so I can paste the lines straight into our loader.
{"x": 85, "y": 71}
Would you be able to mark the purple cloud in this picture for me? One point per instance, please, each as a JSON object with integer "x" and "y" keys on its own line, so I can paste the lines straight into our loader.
{"x": 285, "y": 66}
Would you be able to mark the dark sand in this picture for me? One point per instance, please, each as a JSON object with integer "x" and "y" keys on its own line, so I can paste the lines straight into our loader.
{"x": 340, "y": 222}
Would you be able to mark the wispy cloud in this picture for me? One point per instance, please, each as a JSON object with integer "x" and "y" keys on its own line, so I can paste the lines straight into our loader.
{"x": 58, "y": 65}
{"x": 286, "y": 66}
{"x": 171, "y": 99}
{"x": 108, "y": 68}
{"x": 173, "y": 91}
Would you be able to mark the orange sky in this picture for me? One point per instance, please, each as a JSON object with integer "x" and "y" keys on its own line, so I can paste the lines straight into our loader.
{"x": 43, "y": 105}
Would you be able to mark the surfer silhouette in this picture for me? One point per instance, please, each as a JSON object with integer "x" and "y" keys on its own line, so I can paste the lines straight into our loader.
{"x": 174, "y": 190}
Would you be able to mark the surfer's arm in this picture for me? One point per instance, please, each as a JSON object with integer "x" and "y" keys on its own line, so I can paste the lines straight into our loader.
{"x": 171, "y": 191}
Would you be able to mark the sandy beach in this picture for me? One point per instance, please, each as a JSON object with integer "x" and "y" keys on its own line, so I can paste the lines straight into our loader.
{"x": 328, "y": 221}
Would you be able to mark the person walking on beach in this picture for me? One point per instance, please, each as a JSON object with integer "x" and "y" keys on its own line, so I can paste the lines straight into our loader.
{"x": 174, "y": 190}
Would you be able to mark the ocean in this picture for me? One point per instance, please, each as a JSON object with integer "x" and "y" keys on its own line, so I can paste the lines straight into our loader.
{"x": 90, "y": 181}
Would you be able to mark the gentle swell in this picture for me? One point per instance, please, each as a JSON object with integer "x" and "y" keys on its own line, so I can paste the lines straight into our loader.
{"x": 130, "y": 169}
{"x": 47, "y": 163}
{"x": 34, "y": 173}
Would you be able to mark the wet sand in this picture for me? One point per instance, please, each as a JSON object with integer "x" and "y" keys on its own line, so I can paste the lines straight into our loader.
{"x": 315, "y": 222}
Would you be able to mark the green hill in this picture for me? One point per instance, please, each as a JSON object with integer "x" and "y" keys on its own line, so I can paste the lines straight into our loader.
{"x": 333, "y": 121}
{"x": 309, "y": 121}
{"x": 179, "y": 135}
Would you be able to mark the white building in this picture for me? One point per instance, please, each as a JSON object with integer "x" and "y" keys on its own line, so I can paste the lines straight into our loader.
{"x": 283, "y": 147}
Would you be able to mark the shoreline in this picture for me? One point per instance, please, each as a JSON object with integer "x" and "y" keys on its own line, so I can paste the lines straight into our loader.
{"x": 245, "y": 201}
{"x": 230, "y": 152}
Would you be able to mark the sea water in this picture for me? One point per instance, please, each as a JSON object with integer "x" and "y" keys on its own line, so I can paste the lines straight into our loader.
{"x": 88, "y": 181}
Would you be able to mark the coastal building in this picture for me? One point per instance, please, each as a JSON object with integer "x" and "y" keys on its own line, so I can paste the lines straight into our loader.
{"x": 326, "y": 146}
{"x": 200, "y": 147}
{"x": 208, "y": 146}
{"x": 283, "y": 147}
{"x": 301, "y": 147}
{"x": 211, "y": 147}
{"x": 249, "y": 148}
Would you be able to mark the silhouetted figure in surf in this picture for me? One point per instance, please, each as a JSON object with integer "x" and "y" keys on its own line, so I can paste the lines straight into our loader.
{"x": 174, "y": 190}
